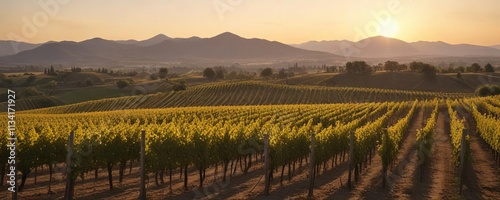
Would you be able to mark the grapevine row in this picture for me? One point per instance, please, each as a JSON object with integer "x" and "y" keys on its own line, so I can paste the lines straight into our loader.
{"x": 425, "y": 135}
{"x": 456, "y": 128}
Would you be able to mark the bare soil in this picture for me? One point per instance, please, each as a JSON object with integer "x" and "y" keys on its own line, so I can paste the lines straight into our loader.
{"x": 482, "y": 173}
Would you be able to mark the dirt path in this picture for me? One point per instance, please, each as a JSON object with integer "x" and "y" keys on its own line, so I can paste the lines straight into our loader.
{"x": 482, "y": 174}
{"x": 401, "y": 178}
{"x": 443, "y": 182}
{"x": 327, "y": 183}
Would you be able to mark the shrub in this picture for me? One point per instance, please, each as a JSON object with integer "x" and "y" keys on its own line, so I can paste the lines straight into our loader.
{"x": 488, "y": 90}
{"x": 121, "y": 84}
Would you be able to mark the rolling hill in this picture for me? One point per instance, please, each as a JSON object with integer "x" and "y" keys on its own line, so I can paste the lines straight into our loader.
{"x": 33, "y": 103}
{"x": 247, "y": 93}
{"x": 398, "y": 81}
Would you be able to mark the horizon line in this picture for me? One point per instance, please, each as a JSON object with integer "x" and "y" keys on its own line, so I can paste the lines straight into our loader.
{"x": 324, "y": 40}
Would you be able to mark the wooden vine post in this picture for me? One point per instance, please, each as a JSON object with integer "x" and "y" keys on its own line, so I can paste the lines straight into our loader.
{"x": 143, "y": 169}
{"x": 351, "y": 152}
{"x": 266, "y": 164}
{"x": 311, "y": 167}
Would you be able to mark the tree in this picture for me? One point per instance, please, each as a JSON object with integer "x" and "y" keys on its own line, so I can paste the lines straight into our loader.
{"x": 232, "y": 75}
{"x": 163, "y": 73}
{"x": 31, "y": 79}
{"x": 488, "y": 90}
{"x": 209, "y": 73}
{"x": 220, "y": 74}
{"x": 180, "y": 86}
{"x": 489, "y": 68}
{"x": 416, "y": 66}
{"x": 282, "y": 74}
{"x": 428, "y": 70}
{"x": 76, "y": 69}
{"x": 461, "y": 69}
{"x": 267, "y": 72}
{"x": 121, "y": 84}
{"x": 357, "y": 67}
{"x": 132, "y": 73}
{"x": 391, "y": 66}
{"x": 474, "y": 68}
{"x": 29, "y": 92}
{"x": 402, "y": 67}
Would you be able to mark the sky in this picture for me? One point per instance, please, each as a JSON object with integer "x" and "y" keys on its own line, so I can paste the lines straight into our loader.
{"x": 286, "y": 21}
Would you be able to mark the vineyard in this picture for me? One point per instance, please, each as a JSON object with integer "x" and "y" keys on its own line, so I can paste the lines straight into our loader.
{"x": 212, "y": 145}
{"x": 33, "y": 103}
{"x": 249, "y": 93}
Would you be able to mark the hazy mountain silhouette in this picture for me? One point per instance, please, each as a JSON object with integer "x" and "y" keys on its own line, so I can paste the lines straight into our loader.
{"x": 162, "y": 48}
{"x": 445, "y": 49}
{"x": 154, "y": 40}
{"x": 383, "y": 47}
{"x": 495, "y": 46}
{"x": 373, "y": 47}
{"x": 331, "y": 46}
{"x": 148, "y": 42}
{"x": 227, "y": 46}
{"x": 8, "y": 47}
{"x": 54, "y": 52}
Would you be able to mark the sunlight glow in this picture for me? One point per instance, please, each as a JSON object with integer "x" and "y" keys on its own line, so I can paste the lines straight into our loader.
{"x": 390, "y": 30}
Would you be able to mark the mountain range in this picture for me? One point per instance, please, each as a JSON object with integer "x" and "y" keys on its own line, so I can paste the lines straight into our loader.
{"x": 226, "y": 46}
{"x": 161, "y": 48}
{"x": 384, "y": 47}
{"x": 9, "y": 47}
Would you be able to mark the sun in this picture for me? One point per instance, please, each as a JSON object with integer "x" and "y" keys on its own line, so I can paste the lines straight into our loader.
{"x": 391, "y": 29}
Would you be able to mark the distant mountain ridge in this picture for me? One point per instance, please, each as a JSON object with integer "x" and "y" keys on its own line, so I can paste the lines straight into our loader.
{"x": 384, "y": 47}
{"x": 8, "y": 47}
{"x": 148, "y": 42}
{"x": 161, "y": 48}
{"x": 495, "y": 46}
{"x": 226, "y": 46}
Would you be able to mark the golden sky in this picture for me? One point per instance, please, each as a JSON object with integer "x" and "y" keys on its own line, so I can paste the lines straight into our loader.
{"x": 287, "y": 21}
